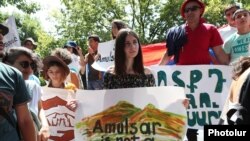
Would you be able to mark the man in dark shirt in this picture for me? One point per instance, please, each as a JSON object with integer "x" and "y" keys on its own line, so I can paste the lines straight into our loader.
{"x": 13, "y": 101}
{"x": 94, "y": 77}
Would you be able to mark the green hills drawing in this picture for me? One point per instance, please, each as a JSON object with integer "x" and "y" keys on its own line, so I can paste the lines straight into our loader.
{"x": 125, "y": 120}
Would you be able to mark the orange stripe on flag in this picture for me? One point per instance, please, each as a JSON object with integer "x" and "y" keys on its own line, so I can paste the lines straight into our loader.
{"x": 152, "y": 53}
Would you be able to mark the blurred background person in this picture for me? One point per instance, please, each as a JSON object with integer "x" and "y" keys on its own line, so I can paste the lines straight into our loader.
{"x": 230, "y": 28}
{"x": 3, "y": 31}
{"x": 239, "y": 43}
{"x": 94, "y": 77}
{"x": 30, "y": 43}
{"x": 117, "y": 25}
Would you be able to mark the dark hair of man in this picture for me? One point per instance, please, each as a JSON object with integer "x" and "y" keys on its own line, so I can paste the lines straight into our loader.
{"x": 94, "y": 37}
{"x": 120, "y": 57}
{"x": 11, "y": 54}
{"x": 240, "y": 67}
{"x": 230, "y": 7}
{"x": 62, "y": 54}
{"x": 119, "y": 24}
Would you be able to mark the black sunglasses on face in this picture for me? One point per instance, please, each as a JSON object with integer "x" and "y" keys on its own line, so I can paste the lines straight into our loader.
{"x": 26, "y": 64}
{"x": 193, "y": 8}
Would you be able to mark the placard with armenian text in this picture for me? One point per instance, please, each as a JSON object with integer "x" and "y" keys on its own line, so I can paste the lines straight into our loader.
{"x": 206, "y": 86}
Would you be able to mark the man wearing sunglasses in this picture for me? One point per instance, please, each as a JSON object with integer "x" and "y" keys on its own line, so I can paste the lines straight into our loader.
{"x": 199, "y": 37}
{"x": 227, "y": 30}
{"x": 14, "y": 97}
{"x": 25, "y": 61}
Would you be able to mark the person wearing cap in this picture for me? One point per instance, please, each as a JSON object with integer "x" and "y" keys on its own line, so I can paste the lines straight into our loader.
{"x": 3, "y": 31}
{"x": 200, "y": 37}
{"x": 30, "y": 43}
{"x": 94, "y": 77}
{"x": 76, "y": 55}
{"x": 76, "y": 59}
{"x": 14, "y": 97}
{"x": 239, "y": 43}
{"x": 227, "y": 30}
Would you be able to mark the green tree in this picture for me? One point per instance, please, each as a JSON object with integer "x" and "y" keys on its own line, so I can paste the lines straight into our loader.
{"x": 21, "y": 5}
{"x": 84, "y": 17}
{"x": 149, "y": 18}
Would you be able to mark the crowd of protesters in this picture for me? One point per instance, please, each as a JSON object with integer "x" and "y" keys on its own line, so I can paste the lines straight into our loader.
{"x": 189, "y": 44}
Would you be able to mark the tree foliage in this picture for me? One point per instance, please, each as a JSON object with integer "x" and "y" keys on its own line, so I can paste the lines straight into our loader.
{"x": 149, "y": 18}
{"x": 80, "y": 18}
{"x": 22, "y": 5}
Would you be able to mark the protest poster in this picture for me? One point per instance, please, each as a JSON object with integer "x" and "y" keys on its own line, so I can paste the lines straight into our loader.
{"x": 12, "y": 38}
{"x": 206, "y": 86}
{"x": 60, "y": 118}
{"x": 106, "y": 51}
{"x": 145, "y": 114}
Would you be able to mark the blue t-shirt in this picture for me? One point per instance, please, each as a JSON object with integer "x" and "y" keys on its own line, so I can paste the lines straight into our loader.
{"x": 237, "y": 46}
{"x": 13, "y": 92}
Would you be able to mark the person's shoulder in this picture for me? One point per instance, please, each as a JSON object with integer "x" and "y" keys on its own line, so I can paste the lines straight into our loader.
{"x": 32, "y": 84}
{"x": 147, "y": 71}
{"x": 9, "y": 70}
{"x": 209, "y": 26}
{"x": 223, "y": 27}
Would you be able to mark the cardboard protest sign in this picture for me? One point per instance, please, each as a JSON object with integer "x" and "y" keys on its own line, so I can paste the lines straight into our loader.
{"x": 145, "y": 114}
{"x": 107, "y": 54}
{"x": 206, "y": 86}
{"x": 59, "y": 117}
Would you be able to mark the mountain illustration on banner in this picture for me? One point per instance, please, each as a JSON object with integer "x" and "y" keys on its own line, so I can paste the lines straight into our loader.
{"x": 124, "y": 121}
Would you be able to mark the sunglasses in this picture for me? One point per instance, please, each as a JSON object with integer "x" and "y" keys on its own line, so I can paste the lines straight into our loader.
{"x": 26, "y": 64}
{"x": 192, "y": 9}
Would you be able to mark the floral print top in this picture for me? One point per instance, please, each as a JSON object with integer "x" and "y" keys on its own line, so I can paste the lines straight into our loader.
{"x": 112, "y": 81}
